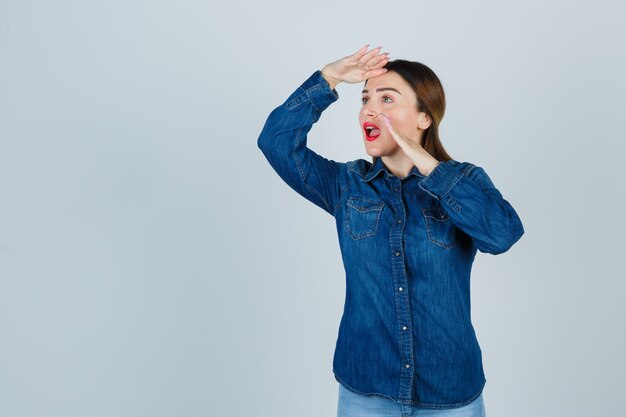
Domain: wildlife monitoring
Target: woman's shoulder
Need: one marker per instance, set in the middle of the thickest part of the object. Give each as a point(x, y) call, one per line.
point(473, 171)
point(464, 166)
point(359, 166)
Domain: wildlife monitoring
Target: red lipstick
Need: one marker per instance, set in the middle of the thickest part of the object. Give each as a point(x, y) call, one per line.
point(372, 132)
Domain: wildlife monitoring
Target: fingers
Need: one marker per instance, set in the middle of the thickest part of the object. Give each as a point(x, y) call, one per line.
point(358, 54)
point(374, 73)
point(368, 56)
point(379, 61)
point(363, 64)
point(375, 65)
point(386, 120)
point(372, 59)
point(396, 135)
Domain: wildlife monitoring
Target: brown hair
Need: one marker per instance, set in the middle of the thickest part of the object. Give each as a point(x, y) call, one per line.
point(430, 100)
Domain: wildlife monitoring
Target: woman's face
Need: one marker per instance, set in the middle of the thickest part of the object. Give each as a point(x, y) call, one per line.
point(391, 95)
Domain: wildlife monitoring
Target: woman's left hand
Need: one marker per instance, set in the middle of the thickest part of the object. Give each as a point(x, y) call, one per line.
point(424, 161)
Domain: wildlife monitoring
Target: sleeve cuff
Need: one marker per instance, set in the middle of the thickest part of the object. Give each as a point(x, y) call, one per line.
point(319, 92)
point(441, 179)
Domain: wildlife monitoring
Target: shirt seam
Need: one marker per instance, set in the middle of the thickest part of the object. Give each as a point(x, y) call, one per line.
point(302, 177)
point(453, 184)
point(341, 194)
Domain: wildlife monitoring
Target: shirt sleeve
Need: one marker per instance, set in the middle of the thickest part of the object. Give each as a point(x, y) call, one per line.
point(283, 141)
point(475, 205)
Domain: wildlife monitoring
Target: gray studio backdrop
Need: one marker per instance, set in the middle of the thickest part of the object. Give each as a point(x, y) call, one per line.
point(153, 264)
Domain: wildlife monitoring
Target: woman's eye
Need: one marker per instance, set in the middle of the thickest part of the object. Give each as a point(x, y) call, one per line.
point(386, 99)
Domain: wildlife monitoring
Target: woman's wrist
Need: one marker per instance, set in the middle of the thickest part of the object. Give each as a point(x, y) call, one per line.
point(332, 82)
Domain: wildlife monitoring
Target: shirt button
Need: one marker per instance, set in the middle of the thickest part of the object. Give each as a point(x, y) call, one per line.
point(407, 366)
point(400, 289)
point(404, 327)
point(397, 253)
point(399, 220)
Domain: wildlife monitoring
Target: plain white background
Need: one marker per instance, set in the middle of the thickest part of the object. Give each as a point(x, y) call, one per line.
point(153, 264)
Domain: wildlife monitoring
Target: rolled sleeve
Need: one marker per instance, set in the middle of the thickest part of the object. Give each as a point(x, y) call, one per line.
point(475, 205)
point(319, 92)
point(441, 180)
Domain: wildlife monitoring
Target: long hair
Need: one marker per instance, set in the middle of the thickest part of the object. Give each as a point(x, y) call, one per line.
point(431, 100)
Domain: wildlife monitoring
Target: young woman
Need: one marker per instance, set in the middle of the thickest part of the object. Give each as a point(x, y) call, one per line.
point(409, 225)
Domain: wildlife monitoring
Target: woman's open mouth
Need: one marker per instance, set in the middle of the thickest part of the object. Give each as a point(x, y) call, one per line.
point(372, 132)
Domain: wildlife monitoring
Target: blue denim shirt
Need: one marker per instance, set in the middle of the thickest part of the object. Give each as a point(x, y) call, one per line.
point(407, 246)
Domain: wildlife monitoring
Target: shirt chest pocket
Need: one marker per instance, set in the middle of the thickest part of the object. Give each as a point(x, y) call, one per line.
point(439, 228)
point(362, 217)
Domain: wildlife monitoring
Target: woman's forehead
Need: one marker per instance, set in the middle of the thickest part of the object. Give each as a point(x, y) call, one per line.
point(388, 79)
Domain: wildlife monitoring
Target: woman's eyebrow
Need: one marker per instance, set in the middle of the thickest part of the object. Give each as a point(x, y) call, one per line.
point(382, 89)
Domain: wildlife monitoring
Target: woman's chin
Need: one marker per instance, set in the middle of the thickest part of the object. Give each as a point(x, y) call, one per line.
point(373, 150)
point(378, 147)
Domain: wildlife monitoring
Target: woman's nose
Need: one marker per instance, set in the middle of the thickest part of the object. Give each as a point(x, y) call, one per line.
point(369, 112)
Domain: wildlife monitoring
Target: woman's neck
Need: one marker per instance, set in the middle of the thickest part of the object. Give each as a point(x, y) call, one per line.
point(400, 165)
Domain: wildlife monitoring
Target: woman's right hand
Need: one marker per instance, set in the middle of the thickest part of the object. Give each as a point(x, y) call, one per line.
point(357, 67)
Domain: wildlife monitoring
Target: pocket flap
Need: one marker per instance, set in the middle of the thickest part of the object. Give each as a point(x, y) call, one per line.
point(436, 213)
point(364, 205)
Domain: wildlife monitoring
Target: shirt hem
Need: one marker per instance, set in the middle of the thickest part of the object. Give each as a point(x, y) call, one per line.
point(432, 406)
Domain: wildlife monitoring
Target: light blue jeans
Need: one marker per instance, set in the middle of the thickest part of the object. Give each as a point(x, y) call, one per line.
point(351, 404)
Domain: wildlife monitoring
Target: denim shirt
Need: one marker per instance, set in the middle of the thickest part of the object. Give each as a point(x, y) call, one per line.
point(407, 246)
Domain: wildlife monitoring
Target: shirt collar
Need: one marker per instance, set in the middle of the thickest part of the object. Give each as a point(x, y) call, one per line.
point(379, 167)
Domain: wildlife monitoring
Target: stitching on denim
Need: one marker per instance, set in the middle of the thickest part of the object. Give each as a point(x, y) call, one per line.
point(453, 184)
point(360, 235)
point(454, 405)
point(296, 101)
point(435, 196)
point(308, 93)
point(374, 203)
point(455, 206)
point(349, 388)
point(352, 168)
point(472, 166)
point(341, 193)
point(320, 196)
point(409, 346)
point(427, 213)
point(293, 153)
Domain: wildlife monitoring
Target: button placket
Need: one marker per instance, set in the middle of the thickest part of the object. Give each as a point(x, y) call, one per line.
point(405, 338)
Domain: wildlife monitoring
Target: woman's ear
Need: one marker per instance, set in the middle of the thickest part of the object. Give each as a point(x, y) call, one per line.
point(424, 121)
